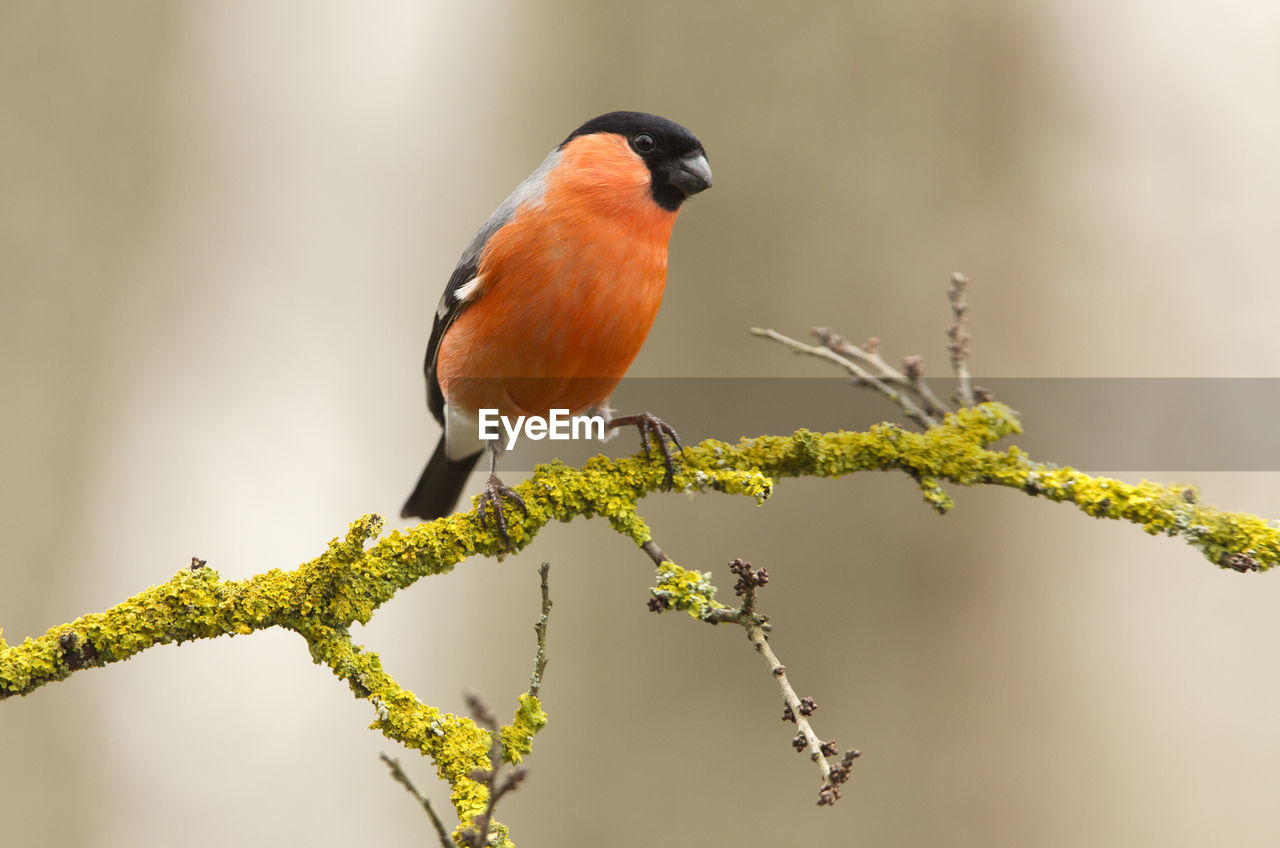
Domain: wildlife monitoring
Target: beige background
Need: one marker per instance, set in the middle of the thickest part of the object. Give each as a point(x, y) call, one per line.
point(223, 228)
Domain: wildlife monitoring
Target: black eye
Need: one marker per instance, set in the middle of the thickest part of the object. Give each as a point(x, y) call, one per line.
point(644, 143)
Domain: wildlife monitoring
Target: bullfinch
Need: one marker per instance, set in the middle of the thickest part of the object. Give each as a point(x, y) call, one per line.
point(554, 296)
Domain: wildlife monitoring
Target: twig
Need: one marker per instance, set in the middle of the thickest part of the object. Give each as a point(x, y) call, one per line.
point(540, 628)
point(655, 553)
point(481, 713)
point(914, 367)
point(868, 353)
point(477, 835)
point(910, 377)
point(907, 387)
point(403, 779)
point(808, 738)
point(958, 332)
point(795, 708)
point(860, 374)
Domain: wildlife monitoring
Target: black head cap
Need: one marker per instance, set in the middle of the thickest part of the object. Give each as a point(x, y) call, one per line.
point(676, 159)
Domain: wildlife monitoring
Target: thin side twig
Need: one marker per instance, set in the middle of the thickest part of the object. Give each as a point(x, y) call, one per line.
point(477, 835)
point(803, 727)
point(914, 367)
point(910, 377)
point(958, 333)
point(403, 779)
point(906, 387)
point(868, 353)
point(655, 553)
point(540, 628)
point(795, 708)
point(909, 407)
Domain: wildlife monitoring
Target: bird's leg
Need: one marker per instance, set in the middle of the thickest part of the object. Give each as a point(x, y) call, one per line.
point(491, 499)
point(653, 427)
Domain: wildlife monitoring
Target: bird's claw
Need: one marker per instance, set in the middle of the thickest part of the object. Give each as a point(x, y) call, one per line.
point(490, 502)
point(662, 434)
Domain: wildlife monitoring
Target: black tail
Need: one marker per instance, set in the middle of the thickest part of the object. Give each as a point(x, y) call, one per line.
point(440, 485)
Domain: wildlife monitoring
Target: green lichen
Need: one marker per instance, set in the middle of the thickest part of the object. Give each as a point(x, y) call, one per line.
point(358, 572)
point(681, 589)
point(456, 744)
point(517, 737)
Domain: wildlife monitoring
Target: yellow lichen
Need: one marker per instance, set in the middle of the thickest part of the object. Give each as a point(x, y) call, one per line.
point(517, 737)
point(356, 574)
point(682, 589)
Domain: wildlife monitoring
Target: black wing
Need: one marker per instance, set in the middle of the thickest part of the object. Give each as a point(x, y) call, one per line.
point(446, 313)
point(451, 305)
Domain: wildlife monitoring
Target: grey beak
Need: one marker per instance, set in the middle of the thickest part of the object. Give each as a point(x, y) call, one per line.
point(691, 174)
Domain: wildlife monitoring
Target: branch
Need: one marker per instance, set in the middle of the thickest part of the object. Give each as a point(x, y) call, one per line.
point(911, 377)
point(399, 776)
point(540, 628)
point(692, 592)
point(860, 375)
point(484, 831)
point(320, 599)
point(958, 333)
point(349, 582)
point(920, 404)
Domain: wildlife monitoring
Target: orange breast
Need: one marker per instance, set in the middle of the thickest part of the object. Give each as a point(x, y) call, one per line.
point(571, 288)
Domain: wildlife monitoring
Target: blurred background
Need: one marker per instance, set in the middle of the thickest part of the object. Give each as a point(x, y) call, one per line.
point(224, 228)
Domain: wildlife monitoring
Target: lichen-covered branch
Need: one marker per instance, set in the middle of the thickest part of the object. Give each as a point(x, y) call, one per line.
point(356, 574)
point(456, 744)
point(352, 579)
point(484, 831)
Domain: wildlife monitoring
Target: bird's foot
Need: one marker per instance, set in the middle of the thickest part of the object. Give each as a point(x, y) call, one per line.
point(491, 504)
point(662, 434)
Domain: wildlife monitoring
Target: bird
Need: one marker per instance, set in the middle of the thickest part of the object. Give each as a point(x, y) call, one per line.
point(553, 298)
